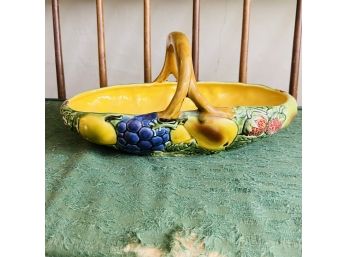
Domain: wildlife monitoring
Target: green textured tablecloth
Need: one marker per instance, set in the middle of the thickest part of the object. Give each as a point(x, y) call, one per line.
point(242, 202)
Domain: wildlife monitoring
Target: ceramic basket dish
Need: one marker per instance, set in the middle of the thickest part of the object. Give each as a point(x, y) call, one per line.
point(183, 117)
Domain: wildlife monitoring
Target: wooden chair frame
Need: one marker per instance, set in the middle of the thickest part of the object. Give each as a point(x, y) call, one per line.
point(243, 65)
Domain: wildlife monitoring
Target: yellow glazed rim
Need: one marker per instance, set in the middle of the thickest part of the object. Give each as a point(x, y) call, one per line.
point(80, 104)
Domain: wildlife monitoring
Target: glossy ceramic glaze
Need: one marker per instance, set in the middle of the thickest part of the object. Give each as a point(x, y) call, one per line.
point(186, 117)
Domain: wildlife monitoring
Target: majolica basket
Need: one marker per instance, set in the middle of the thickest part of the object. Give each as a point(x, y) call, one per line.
point(186, 117)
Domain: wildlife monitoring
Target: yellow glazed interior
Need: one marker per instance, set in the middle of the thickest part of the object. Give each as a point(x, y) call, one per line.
point(155, 97)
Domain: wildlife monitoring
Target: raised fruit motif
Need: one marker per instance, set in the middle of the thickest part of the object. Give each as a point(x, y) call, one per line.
point(255, 125)
point(95, 129)
point(212, 133)
point(273, 126)
point(136, 135)
point(180, 135)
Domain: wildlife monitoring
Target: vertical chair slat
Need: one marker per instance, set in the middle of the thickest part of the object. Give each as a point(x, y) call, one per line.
point(195, 36)
point(58, 50)
point(103, 80)
point(147, 42)
point(243, 64)
point(296, 51)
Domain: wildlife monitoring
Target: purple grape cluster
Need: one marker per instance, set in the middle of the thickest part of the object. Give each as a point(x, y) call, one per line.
point(135, 135)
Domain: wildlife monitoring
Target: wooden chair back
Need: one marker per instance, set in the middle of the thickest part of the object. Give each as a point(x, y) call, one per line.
point(243, 65)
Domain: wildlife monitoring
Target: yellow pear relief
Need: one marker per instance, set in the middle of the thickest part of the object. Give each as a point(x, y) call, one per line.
point(96, 130)
point(180, 135)
point(213, 133)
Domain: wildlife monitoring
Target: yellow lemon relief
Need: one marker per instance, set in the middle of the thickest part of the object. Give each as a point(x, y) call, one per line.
point(180, 135)
point(96, 130)
point(213, 133)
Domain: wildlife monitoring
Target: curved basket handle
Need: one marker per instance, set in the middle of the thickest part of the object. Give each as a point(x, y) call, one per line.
point(178, 61)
